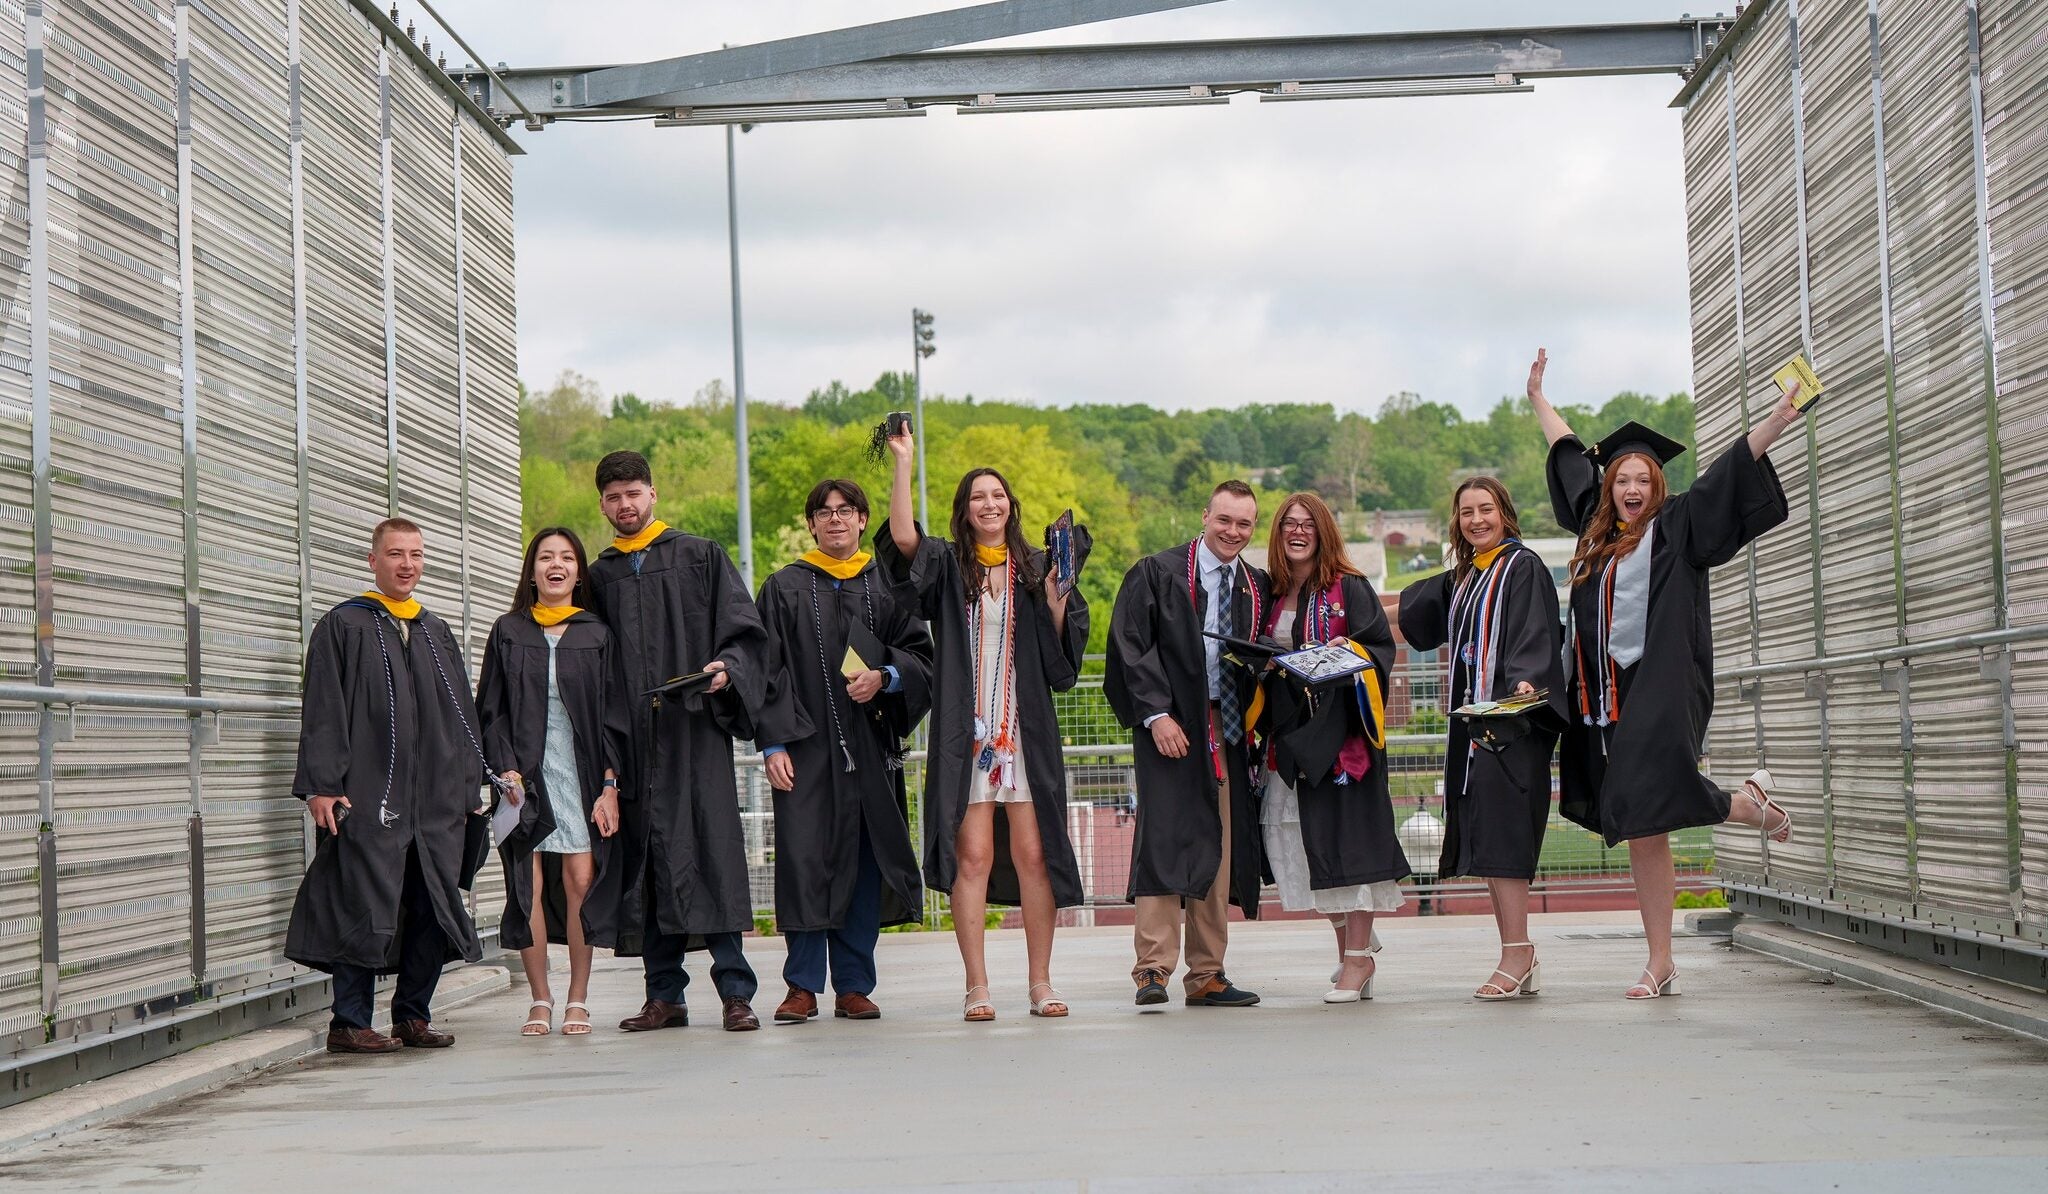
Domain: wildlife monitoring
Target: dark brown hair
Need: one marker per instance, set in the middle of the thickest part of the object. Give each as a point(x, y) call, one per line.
point(1330, 561)
point(528, 593)
point(971, 571)
point(1599, 543)
point(1234, 488)
point(849, 491)
point(391, 526)
point(623, 465)
point(1510, 522)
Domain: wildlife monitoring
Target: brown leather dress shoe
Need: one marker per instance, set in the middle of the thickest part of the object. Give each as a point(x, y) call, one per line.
point(801, 1005)
point(361, 1040)
point(739, 1016)
point(418, 1034)
point(657, 1014)
point(855, 1007)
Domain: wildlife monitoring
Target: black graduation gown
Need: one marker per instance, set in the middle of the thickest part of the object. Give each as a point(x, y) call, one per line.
point(1157, 665)
point(347, 911)
point(1347, 829)
point(1047, 662)
point(1496, 814)
point(818, 822)
point(1647, 780)
point(512, 700)
point(680, 842)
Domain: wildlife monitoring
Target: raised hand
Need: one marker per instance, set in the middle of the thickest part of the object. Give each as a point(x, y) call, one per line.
point(1536, 375)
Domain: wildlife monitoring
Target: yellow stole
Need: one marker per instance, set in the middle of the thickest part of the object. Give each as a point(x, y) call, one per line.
point(1486, 558)
point(549, 615)
point(990, 557)
point(834, 567)
point(648, 534)
point(407, 609)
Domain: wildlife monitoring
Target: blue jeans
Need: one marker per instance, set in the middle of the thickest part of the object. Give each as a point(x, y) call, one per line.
point(662, 958)
point(850, 948)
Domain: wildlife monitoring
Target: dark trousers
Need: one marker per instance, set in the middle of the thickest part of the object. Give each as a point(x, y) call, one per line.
point(422, 949)
point(662, 957)
point(850, 948)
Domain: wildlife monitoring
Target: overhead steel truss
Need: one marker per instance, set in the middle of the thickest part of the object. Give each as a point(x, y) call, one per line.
point(864, 71)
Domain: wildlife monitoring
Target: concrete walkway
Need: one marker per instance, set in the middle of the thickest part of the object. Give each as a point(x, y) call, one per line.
point(1762, 1077)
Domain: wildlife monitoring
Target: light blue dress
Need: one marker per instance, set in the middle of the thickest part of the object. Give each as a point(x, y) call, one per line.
point(558, 774)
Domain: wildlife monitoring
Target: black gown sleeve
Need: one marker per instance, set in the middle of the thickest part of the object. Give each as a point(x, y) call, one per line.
point(1060, 651)
point(1736, 500)
point(1137, 685)
point(924, 578)
point(616, 714)
point(1426, 611)
point(1574, 484)
point(908, 648)
point(494, 706)
point(741, 643)
point(1365, 622)
point(782, 719)
point(323, 717)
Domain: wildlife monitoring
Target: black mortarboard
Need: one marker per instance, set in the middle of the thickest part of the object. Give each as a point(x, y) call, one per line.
point(1634, 437)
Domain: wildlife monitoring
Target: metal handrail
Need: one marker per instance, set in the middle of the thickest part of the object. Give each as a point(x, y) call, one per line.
point(1114, 749)
point(49, 694)
point(1826, 663)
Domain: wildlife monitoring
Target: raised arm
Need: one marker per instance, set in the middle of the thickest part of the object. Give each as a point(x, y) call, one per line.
point(1766, 433)
point(902, 515)
point(1554, 426)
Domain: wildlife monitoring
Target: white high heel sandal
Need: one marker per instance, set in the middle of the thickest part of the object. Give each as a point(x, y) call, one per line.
point(1530, 983)
point(1363, 991)
point(1758, 788)
point(1372, 947)
point(1651, 988)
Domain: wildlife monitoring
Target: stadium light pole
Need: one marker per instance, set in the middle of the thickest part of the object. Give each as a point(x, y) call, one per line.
point(921, 346)
point(739, 368)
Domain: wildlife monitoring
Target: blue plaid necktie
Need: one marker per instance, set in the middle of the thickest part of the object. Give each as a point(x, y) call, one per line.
point(1228, 707)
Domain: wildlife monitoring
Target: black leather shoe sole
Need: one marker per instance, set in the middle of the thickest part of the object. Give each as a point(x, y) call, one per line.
point(1232, 998)
point(1151, 994)
point(678, 1022)
point(873, 1015)
point(791, 1018)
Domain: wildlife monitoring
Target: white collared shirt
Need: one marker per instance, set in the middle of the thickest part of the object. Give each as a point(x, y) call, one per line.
point(1216, 576)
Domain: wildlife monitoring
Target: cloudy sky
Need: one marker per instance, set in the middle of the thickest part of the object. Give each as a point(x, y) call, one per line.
point(1330, 252)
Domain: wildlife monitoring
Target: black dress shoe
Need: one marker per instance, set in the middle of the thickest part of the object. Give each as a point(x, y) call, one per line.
point(1151, 988)
point(361, 1040)
point(419, 1034)
point(1221, 992)
point(739, 1016)
point(657, 1014)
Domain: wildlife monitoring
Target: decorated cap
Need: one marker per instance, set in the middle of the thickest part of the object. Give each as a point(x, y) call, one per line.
point(1634, 437)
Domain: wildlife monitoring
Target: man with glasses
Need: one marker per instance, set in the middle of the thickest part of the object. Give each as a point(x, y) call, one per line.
point(850, 675)
point(1197, 849)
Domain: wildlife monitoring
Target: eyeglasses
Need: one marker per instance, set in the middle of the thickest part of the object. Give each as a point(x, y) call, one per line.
point(1297, 524)
point(836, 514)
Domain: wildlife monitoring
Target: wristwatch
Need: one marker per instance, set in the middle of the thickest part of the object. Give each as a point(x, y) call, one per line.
point(611, 783)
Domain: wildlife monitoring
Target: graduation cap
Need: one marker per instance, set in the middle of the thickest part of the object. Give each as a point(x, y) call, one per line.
point(681, 684)
point(1634, 437)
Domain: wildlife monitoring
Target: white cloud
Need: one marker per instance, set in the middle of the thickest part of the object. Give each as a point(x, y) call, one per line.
point(1328, 252)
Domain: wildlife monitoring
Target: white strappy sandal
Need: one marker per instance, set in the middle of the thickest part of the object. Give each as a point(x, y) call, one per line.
point(1363, 991)
point(540, 1025)
point(575, 1027)
point(977, 1011)
point(1530, 983)
point(1372, 946)
point(1758, 788)
point(1052, 1007)
point(1651, 988)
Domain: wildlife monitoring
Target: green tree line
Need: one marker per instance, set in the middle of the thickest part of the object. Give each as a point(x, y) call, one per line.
point(1136, 475)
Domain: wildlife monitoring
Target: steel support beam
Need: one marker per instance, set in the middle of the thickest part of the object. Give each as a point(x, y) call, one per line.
point(860, 43)
point(885, 86)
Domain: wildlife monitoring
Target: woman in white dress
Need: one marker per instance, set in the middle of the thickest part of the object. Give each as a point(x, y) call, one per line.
point(1327, 816)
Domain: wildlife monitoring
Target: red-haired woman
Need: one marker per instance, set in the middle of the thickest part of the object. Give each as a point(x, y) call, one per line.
point(995, 794)
point(1496, 611)
point(1639, 651)
point(1327, 817)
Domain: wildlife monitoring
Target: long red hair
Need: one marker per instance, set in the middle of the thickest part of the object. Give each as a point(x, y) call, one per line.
point(1330, 561)
point(1599, 543)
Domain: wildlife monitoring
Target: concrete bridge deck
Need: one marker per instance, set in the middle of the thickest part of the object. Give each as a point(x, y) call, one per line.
point(1762, 1077)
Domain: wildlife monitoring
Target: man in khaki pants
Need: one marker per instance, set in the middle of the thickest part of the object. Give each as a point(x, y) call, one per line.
point(1197, 849)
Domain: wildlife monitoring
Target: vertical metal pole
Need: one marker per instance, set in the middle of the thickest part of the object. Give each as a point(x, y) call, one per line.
point(924, 512)
point(301, 414)
point(1891, 407)
point(461, 375)
point(390, 277)
point(188, 354)
point(1818, 683)
point(739, 370)
point(2015, 857)
point(1756, 687)
point(39, 456)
